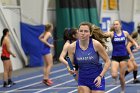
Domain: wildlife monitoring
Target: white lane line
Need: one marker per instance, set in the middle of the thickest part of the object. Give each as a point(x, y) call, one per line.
point(44, 88)
point(35, 83)
point(18, 81)
point(64, 88)
point(55, 86)
point(23, 90)
point(126, 85)
point(120, 85)
point(73, 91)
point(108, 77)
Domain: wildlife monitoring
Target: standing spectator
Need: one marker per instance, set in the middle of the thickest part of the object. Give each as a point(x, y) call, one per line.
point(5, 57)
point(47, 39)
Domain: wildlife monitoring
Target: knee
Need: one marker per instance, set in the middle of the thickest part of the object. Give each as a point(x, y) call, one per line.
point(10, 69)
point(136, 67)
point(50, 65)
point(6, 70)
point(114, 75)
point(131, 68)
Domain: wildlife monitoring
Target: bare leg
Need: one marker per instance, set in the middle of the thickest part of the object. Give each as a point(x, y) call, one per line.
point(83, 89)
point(10, 70)
point(123, 66)
point(48, 65)
point(6, 70)
point(114, 70)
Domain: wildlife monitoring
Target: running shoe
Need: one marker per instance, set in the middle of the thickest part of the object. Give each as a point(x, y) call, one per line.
point(6, 85)
point(47, 82)
point(136, 81)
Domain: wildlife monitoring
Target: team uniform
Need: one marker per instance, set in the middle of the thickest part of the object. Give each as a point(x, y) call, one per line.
point(5, 54)
point(47, 49)
point(88, 66)
point(119, 48)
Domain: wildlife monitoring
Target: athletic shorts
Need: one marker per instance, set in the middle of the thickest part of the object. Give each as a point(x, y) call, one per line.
point(5, 58)
point(46, 51)
point(89, 82)
point(120, 58)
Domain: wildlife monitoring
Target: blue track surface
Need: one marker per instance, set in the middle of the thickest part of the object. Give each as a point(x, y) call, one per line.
point(64, 83)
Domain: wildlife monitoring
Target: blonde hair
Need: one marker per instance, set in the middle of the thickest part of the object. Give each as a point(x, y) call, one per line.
point(48, 27)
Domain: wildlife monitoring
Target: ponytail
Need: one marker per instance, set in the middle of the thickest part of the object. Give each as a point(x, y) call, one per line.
point(4, 34)
point(97, 34)
point(2, 40)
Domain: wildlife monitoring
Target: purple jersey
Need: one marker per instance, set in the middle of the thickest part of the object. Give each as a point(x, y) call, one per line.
point(88, 61)
point(119, 45)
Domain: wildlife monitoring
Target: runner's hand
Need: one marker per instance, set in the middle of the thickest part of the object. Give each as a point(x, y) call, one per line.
point(13, 55)
point(97, 81)
point(71, 71)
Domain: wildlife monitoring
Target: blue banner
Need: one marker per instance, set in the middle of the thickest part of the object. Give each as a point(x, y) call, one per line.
point(128, 26)
point(31, 45)
point(105, 25)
